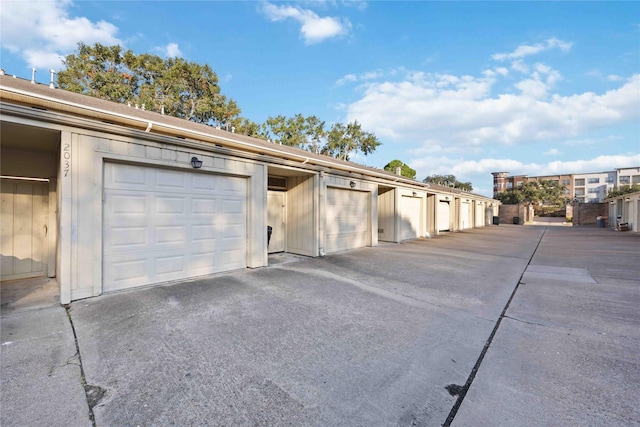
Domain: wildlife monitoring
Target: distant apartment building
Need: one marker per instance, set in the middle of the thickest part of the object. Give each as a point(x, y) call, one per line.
point(583, 187)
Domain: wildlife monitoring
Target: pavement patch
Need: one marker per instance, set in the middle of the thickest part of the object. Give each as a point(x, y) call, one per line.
point(565, 274)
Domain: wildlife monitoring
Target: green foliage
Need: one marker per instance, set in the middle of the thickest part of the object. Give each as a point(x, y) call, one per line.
point(405, 170)
point(538, 193)
point(309, 133)
point(449, 180)
point(511, 197)
point(624, 189)
point(343, 140)
point(183, 89)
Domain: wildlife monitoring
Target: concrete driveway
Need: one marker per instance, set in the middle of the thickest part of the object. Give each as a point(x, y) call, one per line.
point(507, 325)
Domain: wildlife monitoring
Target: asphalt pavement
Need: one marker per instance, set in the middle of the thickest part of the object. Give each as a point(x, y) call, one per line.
point(502, 325)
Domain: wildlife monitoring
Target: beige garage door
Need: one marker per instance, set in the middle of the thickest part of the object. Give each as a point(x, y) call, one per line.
point(162, 224)
point(411, 213)
point(347, 225)
point(465, 221)
point(443, 216)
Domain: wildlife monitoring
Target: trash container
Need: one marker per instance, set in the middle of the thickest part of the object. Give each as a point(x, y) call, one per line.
point(269, 231)
point(496, 220)
point(600, 222)
point(516, 220)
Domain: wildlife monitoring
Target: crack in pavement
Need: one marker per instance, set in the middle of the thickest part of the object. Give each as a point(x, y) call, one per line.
point(93, 393)
point(461, 391)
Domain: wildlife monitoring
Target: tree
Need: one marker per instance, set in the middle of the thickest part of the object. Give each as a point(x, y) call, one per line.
point(511, 197)
point(623, 189)
point(178, 87)
point(309, 133)
point(541, 194)
point(99, 71)
point(405, 170)
point(343, 140)
point(449, 180)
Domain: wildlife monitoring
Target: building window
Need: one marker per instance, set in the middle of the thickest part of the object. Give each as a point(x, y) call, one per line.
point(579, 191)
point(625, 179)
point(635, 179)
point(566, 182)
point(594, 181)
point(610, 180)
point(579, 182)
point(592, 190)
point(520, 183)
point(566, 191)
point(509, 185)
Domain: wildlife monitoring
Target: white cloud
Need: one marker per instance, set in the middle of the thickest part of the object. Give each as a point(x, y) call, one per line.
point(43, 32)
point(460, 112)
point(314, 29)
point(552, 152)
point(478, 172)
point(172, 50)
point(527, 50)
point(346, 79)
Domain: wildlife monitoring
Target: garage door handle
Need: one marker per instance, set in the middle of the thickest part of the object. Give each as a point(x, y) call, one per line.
point(46, 229)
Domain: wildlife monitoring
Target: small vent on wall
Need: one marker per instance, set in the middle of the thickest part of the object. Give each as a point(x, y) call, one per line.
point(277, 183)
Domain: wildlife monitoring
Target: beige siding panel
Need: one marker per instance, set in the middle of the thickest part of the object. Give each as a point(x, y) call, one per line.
point(24, 223)
point(301, 219)
point(387, 216)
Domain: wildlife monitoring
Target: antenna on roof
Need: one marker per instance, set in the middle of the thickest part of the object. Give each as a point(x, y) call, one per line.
point(51, 85)
point(33, 76)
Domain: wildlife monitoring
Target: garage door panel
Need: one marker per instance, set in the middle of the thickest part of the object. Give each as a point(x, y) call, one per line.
point(125, 177)
point(166, 180)
point(166, 235)
point(204, 206)
point(173, 231)
point(127, 204)
point(347, 225)
point(126, 237)
point(170, 205)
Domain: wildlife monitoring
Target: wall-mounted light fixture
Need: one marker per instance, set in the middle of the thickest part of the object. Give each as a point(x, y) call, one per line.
point(197, 164)
point(626, 199)
point(352, 184)
point(415, 194)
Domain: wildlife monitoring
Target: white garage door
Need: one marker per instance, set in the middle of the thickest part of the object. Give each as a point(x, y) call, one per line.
point(162, 225)
point(464, 216)
point(410, 218)
point(347, 224)
point(479, 214)
point(443, 216)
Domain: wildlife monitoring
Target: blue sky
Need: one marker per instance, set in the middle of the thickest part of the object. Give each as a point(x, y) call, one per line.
point(467, 88)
